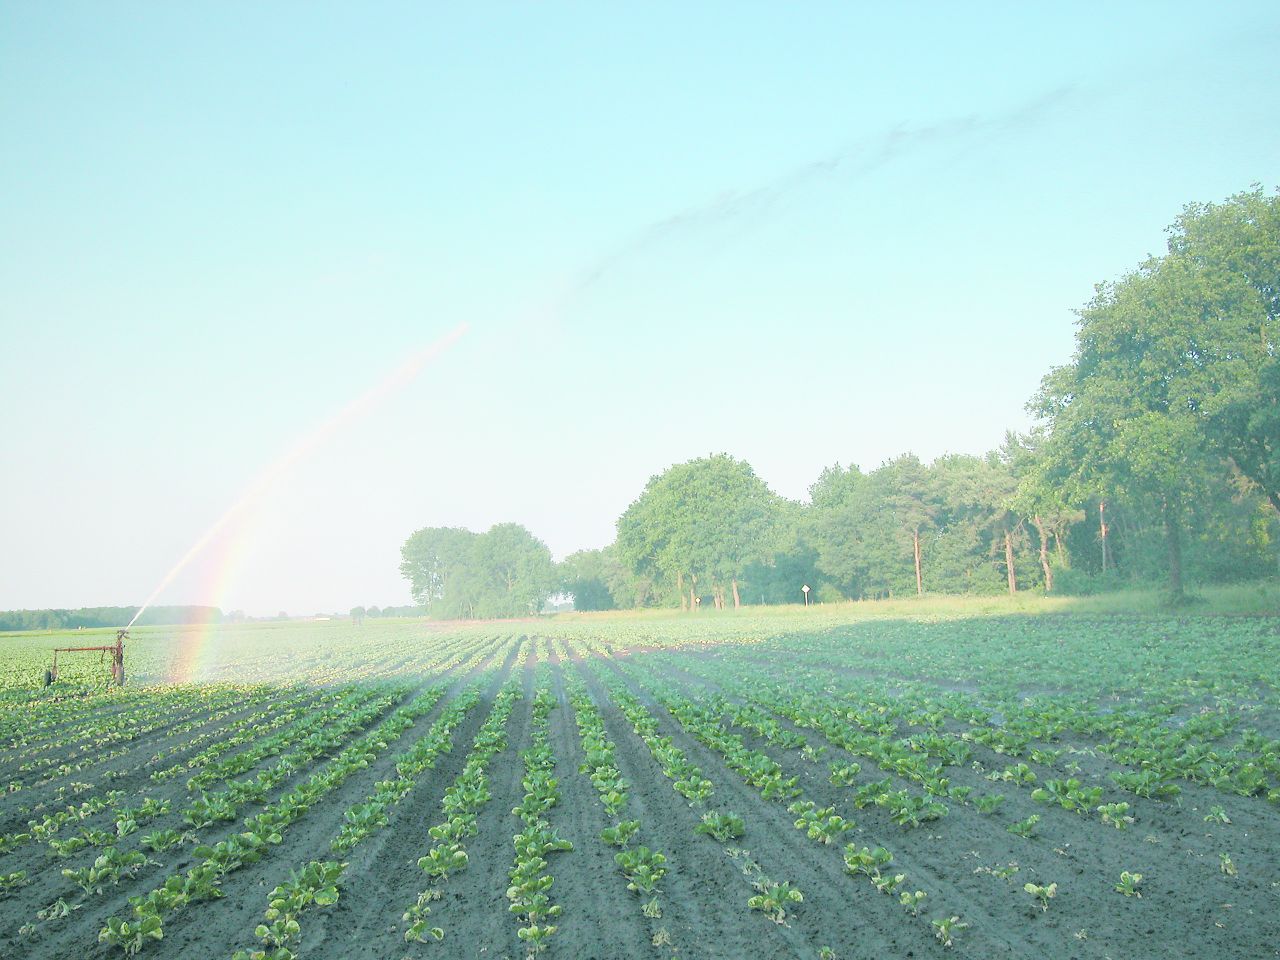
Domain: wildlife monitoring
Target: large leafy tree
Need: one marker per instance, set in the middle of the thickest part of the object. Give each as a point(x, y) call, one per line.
point(1039, 500)
point(870, 530)
point(1126, 415)
point(456, 573)
point(1227, 258)
point(704, 522)
point(586, 576)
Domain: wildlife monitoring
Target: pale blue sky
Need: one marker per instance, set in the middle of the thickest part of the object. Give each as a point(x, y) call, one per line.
point(799, 233)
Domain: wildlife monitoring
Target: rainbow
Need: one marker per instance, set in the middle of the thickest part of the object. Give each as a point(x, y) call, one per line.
point(193, 642)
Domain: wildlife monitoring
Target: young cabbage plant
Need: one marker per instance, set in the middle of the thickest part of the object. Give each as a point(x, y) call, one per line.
point(1128, 884)
point(774, 899)
point(1116, 814)
point(722, 826)
point(912, 901)
point(621, 833)
point(1043, 893)
point(947, 929)
point(988, 802)
point(1025, 828)
point(131, 935)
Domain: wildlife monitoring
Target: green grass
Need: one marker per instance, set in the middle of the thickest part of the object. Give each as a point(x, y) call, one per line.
point(1248, 599)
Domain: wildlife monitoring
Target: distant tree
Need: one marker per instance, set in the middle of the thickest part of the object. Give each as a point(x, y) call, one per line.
point(585, 576)
point(357, 614)
point(1039, 500)
point(455, 573)
point(442, 569)
point(517, 569)
point(870, 530)
point(705, 521)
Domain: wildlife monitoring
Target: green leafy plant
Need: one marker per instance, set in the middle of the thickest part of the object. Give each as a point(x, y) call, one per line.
point(621, 833)
point(1116, 814)
point(845, 774)
point(1025, 828)
point(866, 860)
point(420, 929)
point(774, 899)
point(131, 935)
point(1216, 815)
point(989, 802)
point(722, 826)
point(10, 882)
point(57, 910)
point(948, 929)
point(912, 901)
point(642, 867)
point(1042, 892)
point(1128, 884)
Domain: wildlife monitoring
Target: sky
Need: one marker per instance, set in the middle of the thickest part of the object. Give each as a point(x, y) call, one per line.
point(800, 234)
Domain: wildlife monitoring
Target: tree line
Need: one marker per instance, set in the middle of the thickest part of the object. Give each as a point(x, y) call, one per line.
point(1155, 457)
point(86, 617)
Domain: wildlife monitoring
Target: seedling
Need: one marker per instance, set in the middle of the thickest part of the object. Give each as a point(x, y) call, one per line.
point(161, 840)
point(652, 909)
point(441, 861)
point(722, 826)
point(812, 755)
point(866, 860)
point(773, 900)
point(887, 884)
point(420, 929)
point(989, 802)
point(621, 833)
point(1128, 884)
point(57, 910)
point(536, 935)
point(130, 935)
point(912, 901)
point(1217, 815)
point(1116, 814)
point(643, 869)
point(10, 882)
point(1025, 828)
point(1043, 893)
point(1226, 866)
point(947, 929)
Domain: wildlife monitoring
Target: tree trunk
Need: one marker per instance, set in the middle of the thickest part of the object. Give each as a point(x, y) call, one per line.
point(737, 601)
point(915, 537)
point(680, 590)
point(693, 591)
point(1173, 533)
point(1008, 563)
point(1275, 500)
point(1102, 531)
point(1044, 555)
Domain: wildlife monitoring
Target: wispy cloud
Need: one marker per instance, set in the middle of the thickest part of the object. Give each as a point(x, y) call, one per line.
point(844, 166)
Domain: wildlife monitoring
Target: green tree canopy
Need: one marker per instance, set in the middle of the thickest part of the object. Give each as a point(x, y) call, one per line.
point(454, 573)
point(705, 522)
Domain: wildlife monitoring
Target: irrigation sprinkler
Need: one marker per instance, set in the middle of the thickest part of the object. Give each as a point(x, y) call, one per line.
point(117, 659)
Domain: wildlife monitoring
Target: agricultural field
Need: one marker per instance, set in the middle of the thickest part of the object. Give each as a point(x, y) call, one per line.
point(790, 784)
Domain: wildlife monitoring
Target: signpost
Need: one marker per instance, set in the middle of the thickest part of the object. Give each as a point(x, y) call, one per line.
point(805, 588)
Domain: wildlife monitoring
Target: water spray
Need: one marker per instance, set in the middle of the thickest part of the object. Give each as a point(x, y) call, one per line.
point(361, 406)
point(398, 378)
